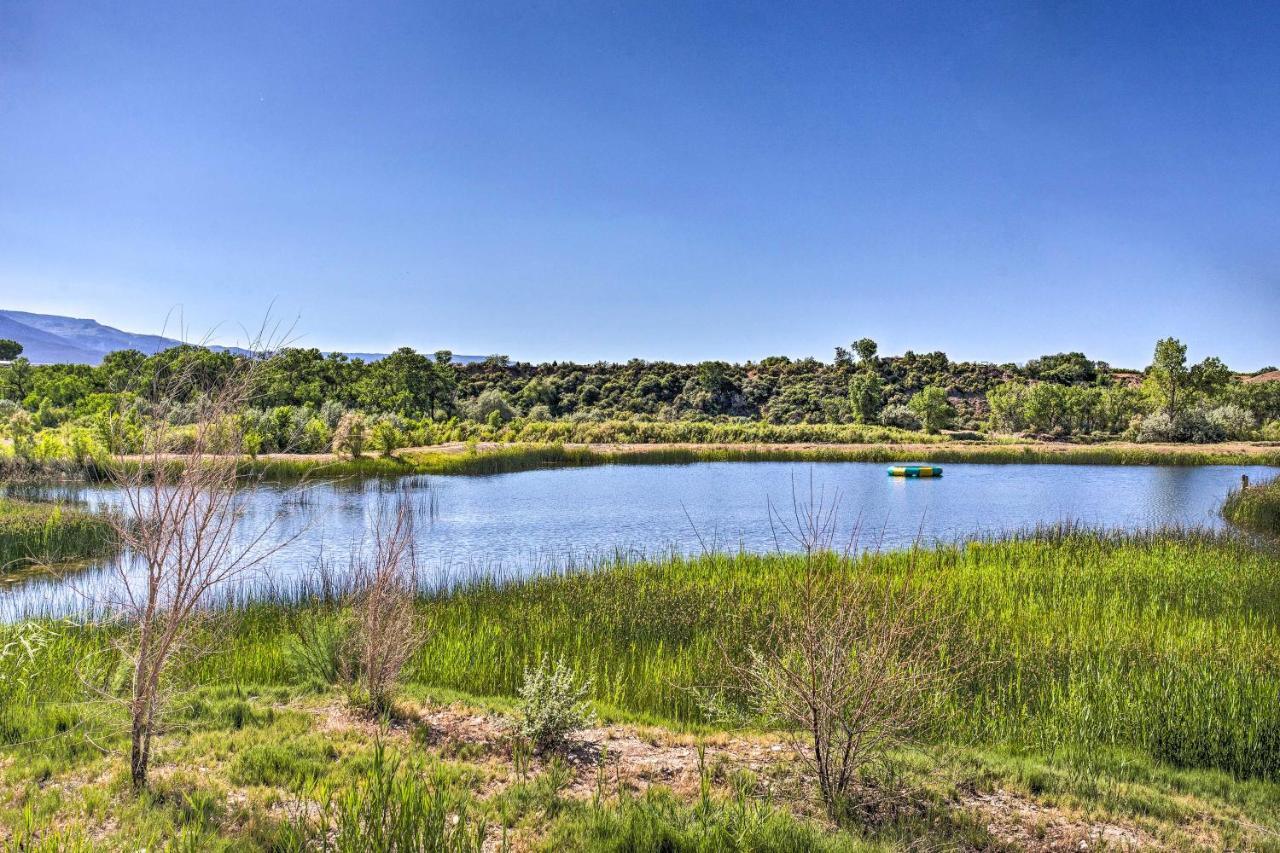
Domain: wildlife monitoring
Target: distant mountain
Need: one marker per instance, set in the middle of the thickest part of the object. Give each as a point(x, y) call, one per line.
point(42, 347)
point(54, 339)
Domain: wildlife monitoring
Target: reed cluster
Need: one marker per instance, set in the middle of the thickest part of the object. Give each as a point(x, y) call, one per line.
point(45, 533)
point(1255, 508)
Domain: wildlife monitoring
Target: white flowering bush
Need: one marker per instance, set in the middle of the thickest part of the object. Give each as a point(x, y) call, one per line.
point(553, 703)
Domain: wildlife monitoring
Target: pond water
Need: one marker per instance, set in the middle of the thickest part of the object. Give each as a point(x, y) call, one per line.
point(529, 521)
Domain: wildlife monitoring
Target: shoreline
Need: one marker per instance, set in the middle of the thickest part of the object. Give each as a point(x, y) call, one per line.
point(481, 458)
point(493, 457)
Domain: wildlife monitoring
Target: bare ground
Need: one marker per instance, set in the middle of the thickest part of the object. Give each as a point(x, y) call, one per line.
point(606, 760)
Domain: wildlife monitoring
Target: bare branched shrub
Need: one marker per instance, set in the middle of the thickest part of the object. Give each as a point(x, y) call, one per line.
point(385, 628)
point(853, 666)
point(350, 435)
point(179, 525)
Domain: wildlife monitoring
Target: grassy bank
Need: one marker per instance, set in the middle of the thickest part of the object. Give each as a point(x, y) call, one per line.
point(1126, 675)
point(500, 459)
point(1256, 508)
point(42, 533)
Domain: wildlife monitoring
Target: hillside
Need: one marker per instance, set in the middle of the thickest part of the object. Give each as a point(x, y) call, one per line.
point(55, 339)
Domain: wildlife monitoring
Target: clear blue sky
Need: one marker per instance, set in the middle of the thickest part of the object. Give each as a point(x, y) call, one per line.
point(681, 180)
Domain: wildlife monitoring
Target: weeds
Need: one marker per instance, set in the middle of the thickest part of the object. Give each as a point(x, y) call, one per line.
point(397, 807)
point(1255, 508)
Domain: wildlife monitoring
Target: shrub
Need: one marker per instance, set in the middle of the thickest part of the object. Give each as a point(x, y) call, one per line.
point(350, 435)
point(1157, 427)
point(900, 417)
point(932, 408)
point(385, 631)
point(553, 703)
point(1235, 422)
point(491, 405)
point(1193, 426)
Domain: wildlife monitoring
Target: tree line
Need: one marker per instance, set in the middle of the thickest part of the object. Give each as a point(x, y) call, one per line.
point(309, 401)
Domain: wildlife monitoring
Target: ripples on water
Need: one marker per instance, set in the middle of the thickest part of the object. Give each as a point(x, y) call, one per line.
point(538, 521)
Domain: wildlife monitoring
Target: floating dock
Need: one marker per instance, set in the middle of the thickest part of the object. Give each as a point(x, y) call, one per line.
point(915, 471)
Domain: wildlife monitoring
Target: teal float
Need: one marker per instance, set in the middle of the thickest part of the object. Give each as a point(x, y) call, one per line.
point(915, 471)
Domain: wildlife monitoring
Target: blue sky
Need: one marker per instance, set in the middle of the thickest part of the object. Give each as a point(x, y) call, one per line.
point(661, 180)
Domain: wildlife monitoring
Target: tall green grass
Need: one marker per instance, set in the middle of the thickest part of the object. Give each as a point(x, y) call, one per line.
point(1256, 508)
point(1165, 643)
point(38, 533)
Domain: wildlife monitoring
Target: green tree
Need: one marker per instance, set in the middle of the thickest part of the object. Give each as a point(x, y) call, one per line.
point(15, 381)
point(933, 409)
point(1045, 407)
point(866, 350)
point(20, 429)
point(1211, 377)
point(1169, 372)
point(1007, 402)
point(9, 349)
point(387, 437)
point(866, 396)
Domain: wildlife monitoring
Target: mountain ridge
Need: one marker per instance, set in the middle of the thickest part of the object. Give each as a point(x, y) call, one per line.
point(59, 339)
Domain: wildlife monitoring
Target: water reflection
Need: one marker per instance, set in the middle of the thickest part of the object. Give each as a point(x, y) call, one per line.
point(532, 521)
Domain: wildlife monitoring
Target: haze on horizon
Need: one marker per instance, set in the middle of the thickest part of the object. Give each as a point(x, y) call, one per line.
point(586, 182)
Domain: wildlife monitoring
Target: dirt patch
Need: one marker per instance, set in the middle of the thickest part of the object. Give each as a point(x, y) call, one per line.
point(611, 759)
point(1021, 821)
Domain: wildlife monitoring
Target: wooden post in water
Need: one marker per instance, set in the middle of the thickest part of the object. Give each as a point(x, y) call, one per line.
point(1244, 482)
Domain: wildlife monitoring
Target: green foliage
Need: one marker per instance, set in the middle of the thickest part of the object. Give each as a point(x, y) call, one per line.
point(44, 533)
point(933, 409)
point(9, 349)
point(553, 703)
point(866, 395)
point(387, 437)
point(397, 806)
point(304, 395)
point(1256, 508)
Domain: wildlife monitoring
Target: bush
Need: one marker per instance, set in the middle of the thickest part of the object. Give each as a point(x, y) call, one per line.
point(1193, 426)
point(350, 435)
point(387, 437)
point(900, 417)
point(1235, 422)
point(489, 407)
point(553, 703)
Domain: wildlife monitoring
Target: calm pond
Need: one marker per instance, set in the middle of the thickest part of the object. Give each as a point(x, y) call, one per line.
point(527, 522)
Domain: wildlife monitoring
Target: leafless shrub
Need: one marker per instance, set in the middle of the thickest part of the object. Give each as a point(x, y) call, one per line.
point(854, 665)
point(178, 522)
point(385, 628)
